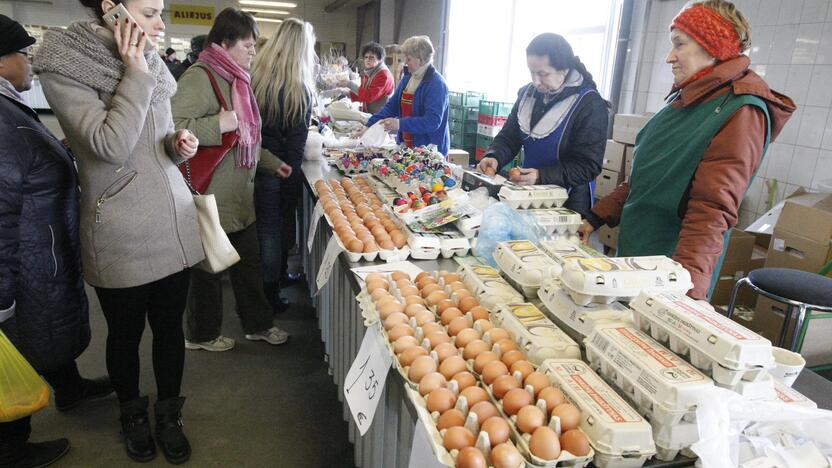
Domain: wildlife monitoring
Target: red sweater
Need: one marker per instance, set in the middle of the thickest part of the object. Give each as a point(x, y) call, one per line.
point(371, 91)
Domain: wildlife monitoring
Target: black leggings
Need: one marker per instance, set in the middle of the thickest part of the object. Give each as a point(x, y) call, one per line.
point(125, 309)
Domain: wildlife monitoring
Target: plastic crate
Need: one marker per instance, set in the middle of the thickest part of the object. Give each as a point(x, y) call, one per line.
point(456, 126)
point(470, 127)
point(492, 120)
point(484, 141)
point(495, 108)
point(466, 99)
point(464, 141)
point(472, 114)
point(458, 113)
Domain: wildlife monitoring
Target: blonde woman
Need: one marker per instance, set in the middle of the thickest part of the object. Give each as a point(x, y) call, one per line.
point(283, 81)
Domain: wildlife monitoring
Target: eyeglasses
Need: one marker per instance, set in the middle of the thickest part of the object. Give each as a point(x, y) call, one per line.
point(27, 53)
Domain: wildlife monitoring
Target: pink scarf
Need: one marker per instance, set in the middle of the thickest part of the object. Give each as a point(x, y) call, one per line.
point(242, 101)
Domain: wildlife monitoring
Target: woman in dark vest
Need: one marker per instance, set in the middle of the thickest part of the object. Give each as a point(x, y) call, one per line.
point(559, 120)
point(697, 156)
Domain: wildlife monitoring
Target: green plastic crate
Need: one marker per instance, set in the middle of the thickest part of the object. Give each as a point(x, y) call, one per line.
point(458, 113)
point(462, 140)
point(484, 141)
point(495, 108)
point(466, 99)
point(456, 126)
point(472, 114)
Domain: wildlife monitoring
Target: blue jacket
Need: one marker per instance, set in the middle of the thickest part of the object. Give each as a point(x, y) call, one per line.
point(429, 123)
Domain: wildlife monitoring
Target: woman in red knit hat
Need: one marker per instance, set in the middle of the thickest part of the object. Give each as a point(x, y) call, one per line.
point(696, 157)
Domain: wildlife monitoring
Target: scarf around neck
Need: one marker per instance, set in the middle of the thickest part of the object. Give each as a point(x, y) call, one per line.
point(242, 101)
point(7, 89)
point(86, 52)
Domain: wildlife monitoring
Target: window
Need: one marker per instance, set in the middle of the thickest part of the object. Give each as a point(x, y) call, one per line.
point(487, 41)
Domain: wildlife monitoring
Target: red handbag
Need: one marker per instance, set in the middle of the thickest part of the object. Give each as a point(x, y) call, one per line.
point(199, 170)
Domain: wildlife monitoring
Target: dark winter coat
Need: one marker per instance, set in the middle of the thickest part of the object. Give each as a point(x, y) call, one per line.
point(40, 263)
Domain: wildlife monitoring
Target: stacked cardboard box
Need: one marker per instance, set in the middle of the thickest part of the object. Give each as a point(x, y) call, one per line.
point(742, 255)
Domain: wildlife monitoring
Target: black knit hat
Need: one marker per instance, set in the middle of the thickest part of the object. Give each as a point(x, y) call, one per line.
point(12, 36)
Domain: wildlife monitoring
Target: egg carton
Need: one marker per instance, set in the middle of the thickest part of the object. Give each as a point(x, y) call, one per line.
point(355, 257)
point(537, 336)
point(621, 437)
point(469, 225)
point(562, 250)
point(490, 288)
point(674, 439)
point(452, 242)
point(581, 320)
point(424, 246)
point(788, 395)
point(762, 388)
point(354, 167)
point(663, 387)
point(532, 196)
point(604, 280)
point(560, 221)
point(715, 344)
point(525, 265)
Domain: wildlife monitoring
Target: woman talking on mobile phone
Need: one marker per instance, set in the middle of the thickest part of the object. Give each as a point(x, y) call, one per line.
point(111, 93)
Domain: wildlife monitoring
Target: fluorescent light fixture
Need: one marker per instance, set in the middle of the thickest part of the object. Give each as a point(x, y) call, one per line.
point(264, 3)
point(260, 10)
point(268, 20)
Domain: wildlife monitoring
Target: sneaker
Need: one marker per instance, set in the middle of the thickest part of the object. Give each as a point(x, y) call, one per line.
point(273, 336)
point(218, 344)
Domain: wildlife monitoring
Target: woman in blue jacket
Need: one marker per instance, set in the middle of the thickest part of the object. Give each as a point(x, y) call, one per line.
point(418, 110)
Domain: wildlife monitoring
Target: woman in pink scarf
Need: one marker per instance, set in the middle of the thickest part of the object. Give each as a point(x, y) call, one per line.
point(215, 98)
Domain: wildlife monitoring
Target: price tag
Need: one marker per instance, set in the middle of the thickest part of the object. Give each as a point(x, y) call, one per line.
point(317, 214)
point(365, 379)
point(421, 452)
point(330, 256)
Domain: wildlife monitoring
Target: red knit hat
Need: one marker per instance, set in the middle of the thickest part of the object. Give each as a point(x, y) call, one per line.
point(711, 30)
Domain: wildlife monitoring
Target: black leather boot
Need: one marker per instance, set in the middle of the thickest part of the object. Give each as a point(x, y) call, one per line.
point(135, 428)
point(172, 440)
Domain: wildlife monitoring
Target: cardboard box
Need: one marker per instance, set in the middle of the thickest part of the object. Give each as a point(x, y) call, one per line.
point(629, 156)
point(802, 235)
point(609, 236)
point(459, 157)
point(735, 266)
point(606, 182)
point(626, 126)
point(614, 156)
point(815, 346)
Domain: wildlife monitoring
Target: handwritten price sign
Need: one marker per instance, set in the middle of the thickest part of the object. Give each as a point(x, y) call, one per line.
point(366, 377)
point(317, 214)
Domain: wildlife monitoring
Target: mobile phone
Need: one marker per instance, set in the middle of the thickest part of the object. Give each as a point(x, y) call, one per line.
point(119, 13)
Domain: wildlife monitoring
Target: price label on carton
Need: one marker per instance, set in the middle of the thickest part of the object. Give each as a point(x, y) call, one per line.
point(330, 256)
point(365, 380)
point(317, 214)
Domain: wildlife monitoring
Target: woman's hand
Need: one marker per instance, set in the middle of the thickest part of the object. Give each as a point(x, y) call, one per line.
point(359, 133)
point(525, 176)
point(488, 166)
point(585, 231)
point(130, 42)
point(186, 144)
point(391, 124)
point(284, 171)
point(228, 121)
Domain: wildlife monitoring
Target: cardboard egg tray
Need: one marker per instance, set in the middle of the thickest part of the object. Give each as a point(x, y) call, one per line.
point(620, 436)
point(490, 288)
point(580, 320)
point(563, 250)
point(559, 221)
point(788, 395)
point(524, 265)
point(532, 196)
point(604, 280)
point(713, 343)
point(469, 225)
point(537, 336)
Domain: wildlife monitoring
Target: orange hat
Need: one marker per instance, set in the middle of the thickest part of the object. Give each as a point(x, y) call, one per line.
point(709, 29)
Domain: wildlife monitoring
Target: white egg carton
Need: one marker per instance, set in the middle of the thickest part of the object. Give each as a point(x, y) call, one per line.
point(452, 242)
point(355, 257)
point(788, 395)
point(620, 436)
point(537, 336)
point(488, 285)
point(720, 347)
point(577, 318)
point(562, 250)
point(532, 196)
point(557, 221)
point(674, 438)
point(525, 265)
point(762, 388)
point(605, 280)
point(424, 246)
point(663, 387)
point(469, 225)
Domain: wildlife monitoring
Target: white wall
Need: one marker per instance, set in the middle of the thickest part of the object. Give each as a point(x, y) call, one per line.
point(792, 51)
point(339, 26)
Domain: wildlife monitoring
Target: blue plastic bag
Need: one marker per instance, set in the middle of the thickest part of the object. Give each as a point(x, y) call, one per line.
point(501, 222)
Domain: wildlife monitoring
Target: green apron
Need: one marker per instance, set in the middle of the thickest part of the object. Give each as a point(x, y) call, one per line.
point(668, 151)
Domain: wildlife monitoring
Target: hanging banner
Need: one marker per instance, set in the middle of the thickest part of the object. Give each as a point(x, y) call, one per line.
point(192, 14)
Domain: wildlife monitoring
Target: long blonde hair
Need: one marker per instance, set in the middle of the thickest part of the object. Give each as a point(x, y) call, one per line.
point(287, 63)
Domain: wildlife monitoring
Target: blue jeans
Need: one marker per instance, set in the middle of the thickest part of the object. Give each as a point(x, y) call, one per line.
point(275, 203)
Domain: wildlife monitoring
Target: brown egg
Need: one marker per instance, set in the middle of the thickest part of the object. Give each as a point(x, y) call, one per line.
point(492, 370)
point(458, 324)
point(484, 410)
point(396, 318)
point(465, 379)
point(437, 337)
point(407, 356)
point(512, 356)
point(413, 309)
point(498, 430)
point(420, 367)
point(399, 331)
point(402, 282)
point(552, 396)
point(445, 350)
point(458, 438)
point(354, 245)
point(370, 247)
point(514, 400)
point(386, 244)
point(377, 230)
point(398, 275)
point(466, 336)
point(503, 384)
point(375, 277)
point(474, 395)
point(529, 418)
point(378, 294)
point(408, 291)
point(385, 308)
point(505, 455)
point(483, 324)
point(450, 277)
point(471, 457)
point(444, 305)
point(544, 443)
point(449, 314)
point(575, 442)
point(484, 358)
point(431, 327)
point(479, 313)
point(507, 344)
point(345, 233)
point(431, 382)
point(524, 367)
point(451, 418)
point(460, 294)
point(570, 416)
point(413, 300)
point(474, 349)
point(440, 400)
point(404, 343)
point(424, 316)
point(429, 288)
point(468, 303)
point(436, 296)
point(398, 238)
point(451, 366)
point(538, 381)
point(497, 334)
point(422, 275)
point(455, 286)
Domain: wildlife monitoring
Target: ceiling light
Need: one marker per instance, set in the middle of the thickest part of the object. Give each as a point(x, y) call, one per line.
point(268, 20)
point(259, 10)
point(264, 3)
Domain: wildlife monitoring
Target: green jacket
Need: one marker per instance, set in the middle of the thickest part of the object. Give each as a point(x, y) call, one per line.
point(196, 107)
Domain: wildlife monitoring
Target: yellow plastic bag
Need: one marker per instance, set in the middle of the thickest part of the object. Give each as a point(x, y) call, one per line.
point(22, 390)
